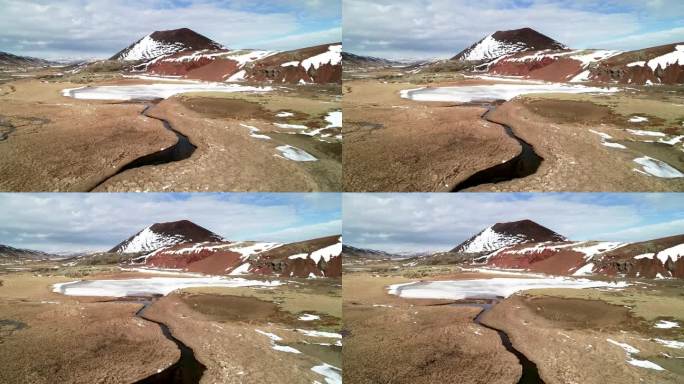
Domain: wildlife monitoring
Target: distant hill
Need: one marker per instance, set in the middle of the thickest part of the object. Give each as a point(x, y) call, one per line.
point(10, 60)
point(8, 253)
point(352, 61)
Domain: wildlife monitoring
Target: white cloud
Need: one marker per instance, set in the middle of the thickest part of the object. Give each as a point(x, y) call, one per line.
point(441, 28)
point(420, 222)
point(64, 222)
point(101, 28)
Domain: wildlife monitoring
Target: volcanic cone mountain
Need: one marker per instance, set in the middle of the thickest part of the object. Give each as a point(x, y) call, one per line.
point(501, 235)
point(164, 234)
point(161, 43)
point(502, 43)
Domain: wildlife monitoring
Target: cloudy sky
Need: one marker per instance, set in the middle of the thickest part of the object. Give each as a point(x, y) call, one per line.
point(100, 28)
point(434, 222)
point(66, 222)
point(442, 28)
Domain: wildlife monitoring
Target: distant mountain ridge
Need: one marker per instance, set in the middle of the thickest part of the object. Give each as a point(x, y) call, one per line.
point(15, 254)
point(10, 60)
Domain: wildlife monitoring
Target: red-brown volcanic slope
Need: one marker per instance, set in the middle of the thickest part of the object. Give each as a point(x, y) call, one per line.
point(616, 69)
point(622, 260)
point(561, 261)
point(550, 66)
point(208, 66)
point(276, 261)
point(217, 258)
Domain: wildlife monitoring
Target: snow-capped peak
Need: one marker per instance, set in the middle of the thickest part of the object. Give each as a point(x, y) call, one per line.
point(149, 240)
point(491, 240)
point(149, 48)
point(163, 43)
point(491, 48)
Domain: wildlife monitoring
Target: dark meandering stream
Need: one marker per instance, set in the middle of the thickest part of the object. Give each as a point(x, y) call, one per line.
point(530, 372)
point(526, 163)
point(182, 150)
point(187, 370)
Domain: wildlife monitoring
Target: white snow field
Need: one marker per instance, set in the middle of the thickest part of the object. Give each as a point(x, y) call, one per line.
point(295, 154)
point(253, 132)
point(332, 56)
point(489, 288)
point(657, 168)
point(154, 91)
point(466, 94)
point(629, 351)
point(331, 373)
point(151, 286)
point(308, 317)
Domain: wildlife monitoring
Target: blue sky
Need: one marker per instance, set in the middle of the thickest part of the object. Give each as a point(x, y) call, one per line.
point(433, 222)
point(100, 28)
point(441, 28)
point(59, 222)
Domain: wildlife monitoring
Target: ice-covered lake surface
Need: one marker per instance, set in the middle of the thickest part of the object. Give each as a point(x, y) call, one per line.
point(490, 288)
point(154, 91)
point(152, 286)
point(469, 93)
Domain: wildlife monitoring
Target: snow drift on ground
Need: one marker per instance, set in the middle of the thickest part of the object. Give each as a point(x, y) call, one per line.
point(295, 154)
point(151, 286)
point(466, 94)
point(332, 374)
point(657, 168)
point(489, 288)
point(154, 91)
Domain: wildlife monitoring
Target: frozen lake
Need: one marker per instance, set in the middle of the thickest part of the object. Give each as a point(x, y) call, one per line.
point(469, 93)
point(154, 91)
point(152, 286)
point(489, 288)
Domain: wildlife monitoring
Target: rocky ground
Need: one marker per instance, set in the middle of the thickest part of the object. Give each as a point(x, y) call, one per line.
point(431, 146)
point(46, 336)
point(57, 143)
point(564, 332)
point(392, 340)
point(393, 144)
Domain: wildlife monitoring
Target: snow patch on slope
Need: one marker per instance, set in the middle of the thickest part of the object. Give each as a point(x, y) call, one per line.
point(490, 240)
point(148, 240)
point(491, 48)
point(149, 48)
point(332, 56)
